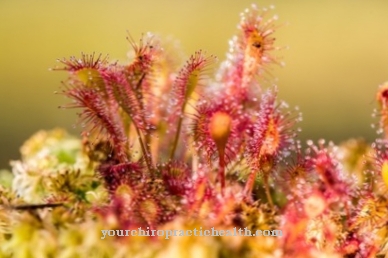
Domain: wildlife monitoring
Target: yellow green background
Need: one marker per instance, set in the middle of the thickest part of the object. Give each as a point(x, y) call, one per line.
point(337, 56)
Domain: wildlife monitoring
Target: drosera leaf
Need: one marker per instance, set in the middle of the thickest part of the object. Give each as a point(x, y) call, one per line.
point(189, 78)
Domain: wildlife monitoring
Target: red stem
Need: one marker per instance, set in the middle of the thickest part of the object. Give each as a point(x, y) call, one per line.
point(250, 183)
point(221, 170)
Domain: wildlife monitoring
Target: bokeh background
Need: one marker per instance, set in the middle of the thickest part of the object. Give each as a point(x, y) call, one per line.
point(337, 56)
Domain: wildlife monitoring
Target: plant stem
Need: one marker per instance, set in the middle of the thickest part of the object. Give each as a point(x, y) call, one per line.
point(178, 131)
point(266, 189)
point(221, 169)
point(250, 183)
point(195, 160)
point(145, 154)
point(147, 137)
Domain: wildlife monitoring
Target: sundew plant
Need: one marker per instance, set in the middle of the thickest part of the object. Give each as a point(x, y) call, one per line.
point(171, 145)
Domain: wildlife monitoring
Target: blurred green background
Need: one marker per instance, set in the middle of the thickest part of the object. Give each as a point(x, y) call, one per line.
point(338, 55)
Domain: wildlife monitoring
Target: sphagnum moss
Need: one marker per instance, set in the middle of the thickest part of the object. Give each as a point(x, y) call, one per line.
point(171, 148)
